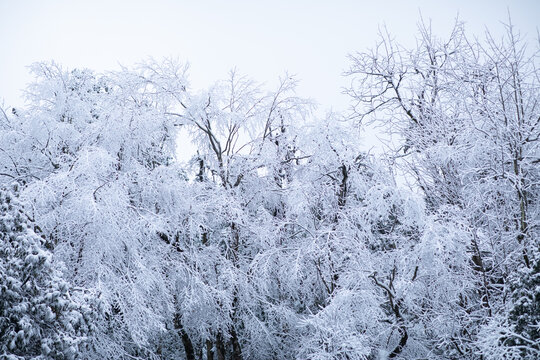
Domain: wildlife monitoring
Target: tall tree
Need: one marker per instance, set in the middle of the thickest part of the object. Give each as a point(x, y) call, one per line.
point(467, 118)
point(39, 317)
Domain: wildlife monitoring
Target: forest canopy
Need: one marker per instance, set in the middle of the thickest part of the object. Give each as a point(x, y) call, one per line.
point(281, 238)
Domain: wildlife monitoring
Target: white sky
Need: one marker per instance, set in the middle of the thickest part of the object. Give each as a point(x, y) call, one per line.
point(263, 39)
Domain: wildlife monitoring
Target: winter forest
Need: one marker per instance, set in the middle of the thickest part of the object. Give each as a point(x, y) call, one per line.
point(280, 238)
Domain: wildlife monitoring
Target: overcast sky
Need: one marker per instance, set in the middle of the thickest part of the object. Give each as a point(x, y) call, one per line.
point(263, 39)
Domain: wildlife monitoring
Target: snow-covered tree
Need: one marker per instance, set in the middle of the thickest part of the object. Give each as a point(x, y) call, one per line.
point(39, 315)
point(280, 238)
point(466, 119)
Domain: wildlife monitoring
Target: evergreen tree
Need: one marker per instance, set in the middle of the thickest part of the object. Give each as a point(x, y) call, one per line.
point(38, 318)
point(525, 315)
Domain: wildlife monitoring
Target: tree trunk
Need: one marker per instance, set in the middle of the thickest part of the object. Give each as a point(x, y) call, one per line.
point(186, 341)
point(220, 347)
point(209, 350)
point(402, 342)
point(236, 350)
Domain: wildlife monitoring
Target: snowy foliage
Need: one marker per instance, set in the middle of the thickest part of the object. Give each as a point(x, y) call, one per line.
point(39, 317)
point(466, 113)
point(280, 238)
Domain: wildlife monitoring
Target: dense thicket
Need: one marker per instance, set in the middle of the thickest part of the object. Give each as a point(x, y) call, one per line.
point(280, 238)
